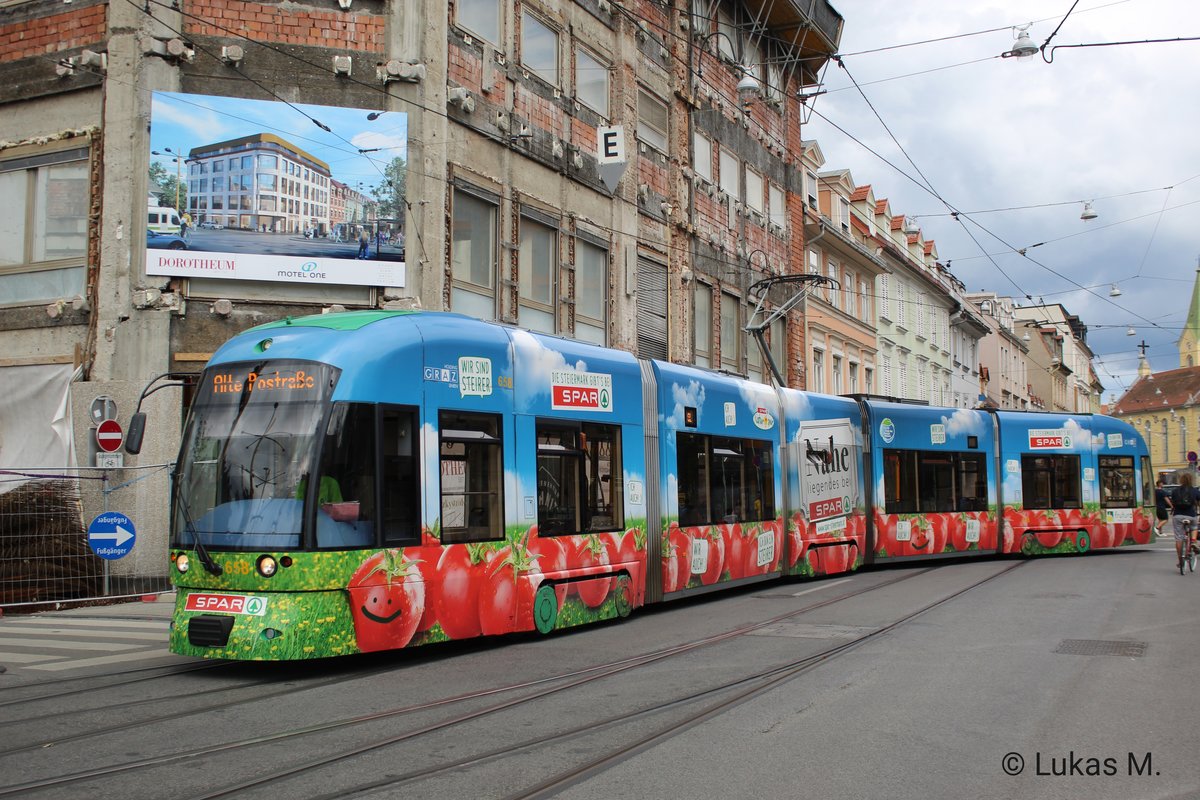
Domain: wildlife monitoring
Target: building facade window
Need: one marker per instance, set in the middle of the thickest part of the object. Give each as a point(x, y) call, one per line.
point(481, 17)
point(777, 206)
point(537, 276)
point(818, 371)
point(44, 230)
point(473, 256)
point(652, 121)
point(754, 190)
point(702, 325)
point(591, 293)
point(539, 48)
point(838, 388)
point(754, 360)
point(729, 177)
point(702, 146)
point(731, 341)
point(779, 345)
point(591, 82)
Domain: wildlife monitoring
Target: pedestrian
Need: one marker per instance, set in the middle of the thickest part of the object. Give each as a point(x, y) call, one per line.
point(185, 222)
point(380, 238)
point(1162, 506)
point(364, 243)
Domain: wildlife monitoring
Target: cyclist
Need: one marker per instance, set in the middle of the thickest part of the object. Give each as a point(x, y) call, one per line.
point(1183, 502)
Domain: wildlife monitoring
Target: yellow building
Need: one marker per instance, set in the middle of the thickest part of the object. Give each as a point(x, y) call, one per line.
point(1165, 406)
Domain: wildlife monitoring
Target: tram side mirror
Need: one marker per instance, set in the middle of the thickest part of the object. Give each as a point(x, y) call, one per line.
point(137, 429)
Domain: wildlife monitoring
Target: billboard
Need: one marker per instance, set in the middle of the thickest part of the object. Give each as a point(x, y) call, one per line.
point(265, 190)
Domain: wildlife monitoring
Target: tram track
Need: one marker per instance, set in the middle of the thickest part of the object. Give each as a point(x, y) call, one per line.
point(531, 692)
point(92, 683)
point(739, 690)
point(542, 687)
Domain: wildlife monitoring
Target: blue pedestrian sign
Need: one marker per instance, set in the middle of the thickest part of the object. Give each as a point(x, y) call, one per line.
point(111, 535)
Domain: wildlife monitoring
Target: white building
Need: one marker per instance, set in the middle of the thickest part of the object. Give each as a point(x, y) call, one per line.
point(260, 183)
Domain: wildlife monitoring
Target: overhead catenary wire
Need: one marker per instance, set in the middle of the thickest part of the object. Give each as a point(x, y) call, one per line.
point(736, 264)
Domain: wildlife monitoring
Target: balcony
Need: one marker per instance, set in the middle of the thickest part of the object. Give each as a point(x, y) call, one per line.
point(813, 28)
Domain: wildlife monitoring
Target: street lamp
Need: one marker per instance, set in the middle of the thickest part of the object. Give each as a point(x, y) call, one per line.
point(172, 154)
point(1023, 48)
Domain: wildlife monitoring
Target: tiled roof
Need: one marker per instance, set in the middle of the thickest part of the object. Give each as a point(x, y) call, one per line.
point(860, 193)
point(1162, 390)
point(897, 222)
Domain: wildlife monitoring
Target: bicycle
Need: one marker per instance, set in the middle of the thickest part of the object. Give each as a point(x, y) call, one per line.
point(1189, 551)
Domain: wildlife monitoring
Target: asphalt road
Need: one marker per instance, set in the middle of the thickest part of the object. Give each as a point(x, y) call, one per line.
point(1051, 669)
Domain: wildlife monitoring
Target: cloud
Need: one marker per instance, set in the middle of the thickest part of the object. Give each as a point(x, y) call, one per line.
point(990, 133)
point(691, 396)
point(538, 362)
point(389, 145)
point(964, 422)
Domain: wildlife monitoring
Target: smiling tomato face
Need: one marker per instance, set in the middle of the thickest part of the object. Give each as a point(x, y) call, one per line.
point(387, 600)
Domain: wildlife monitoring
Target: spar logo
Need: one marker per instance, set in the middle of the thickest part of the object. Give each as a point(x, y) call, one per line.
point(580, 391)
point(228, 604)
point(1049, 439)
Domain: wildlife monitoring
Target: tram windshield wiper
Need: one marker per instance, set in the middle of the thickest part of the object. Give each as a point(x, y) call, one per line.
point(209, 564)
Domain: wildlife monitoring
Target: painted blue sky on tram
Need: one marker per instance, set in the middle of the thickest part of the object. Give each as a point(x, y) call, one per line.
point(1062, 434)
point(905, 426)
point(725, 405)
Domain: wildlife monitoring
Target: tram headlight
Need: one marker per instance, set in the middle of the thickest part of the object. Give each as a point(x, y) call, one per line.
point(182, 563)
point(267, 566)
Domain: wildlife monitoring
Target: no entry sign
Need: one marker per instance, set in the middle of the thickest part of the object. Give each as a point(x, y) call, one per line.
point(109, 436)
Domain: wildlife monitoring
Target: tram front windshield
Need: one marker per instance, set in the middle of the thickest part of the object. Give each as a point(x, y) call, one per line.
point(248, 452)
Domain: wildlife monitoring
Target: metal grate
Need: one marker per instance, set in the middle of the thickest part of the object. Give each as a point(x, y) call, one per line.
point(209, 630)
point(1101, 647)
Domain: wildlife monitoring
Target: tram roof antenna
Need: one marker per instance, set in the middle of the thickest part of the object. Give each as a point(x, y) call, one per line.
point(762, 319)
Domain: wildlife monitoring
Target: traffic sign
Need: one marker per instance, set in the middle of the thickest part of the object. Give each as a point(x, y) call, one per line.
point(109, 436)
point(1192, 456)
point(111, 535)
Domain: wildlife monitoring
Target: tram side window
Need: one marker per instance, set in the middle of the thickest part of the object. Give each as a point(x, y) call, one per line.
point(1050, 481)
point(1147, 483)
point(972, 482)
point(691, 452)
point(935, 481)
point(900, 481)
point(920, 481)
point(1117, 482)
point(401, 472)
point(724, 480)
point(579, 478)
point(472, 477)
point(346, 483)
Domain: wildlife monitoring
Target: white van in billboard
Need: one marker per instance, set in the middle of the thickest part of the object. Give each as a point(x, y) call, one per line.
point(162, 219)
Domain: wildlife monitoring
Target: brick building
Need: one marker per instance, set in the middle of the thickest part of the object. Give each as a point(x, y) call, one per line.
point(507, 213)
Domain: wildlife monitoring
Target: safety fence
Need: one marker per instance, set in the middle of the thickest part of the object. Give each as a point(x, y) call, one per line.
point(46, 559)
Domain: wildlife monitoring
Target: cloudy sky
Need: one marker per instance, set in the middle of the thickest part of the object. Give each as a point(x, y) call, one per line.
point(1117, 125)
point(184, 121)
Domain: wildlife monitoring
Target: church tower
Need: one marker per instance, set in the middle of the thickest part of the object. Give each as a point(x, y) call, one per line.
point(1189, 340)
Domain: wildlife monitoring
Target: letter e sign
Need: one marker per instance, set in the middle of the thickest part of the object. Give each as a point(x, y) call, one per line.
point(612, 144)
